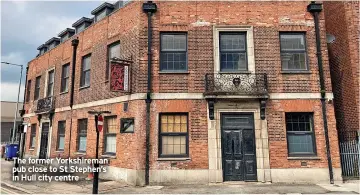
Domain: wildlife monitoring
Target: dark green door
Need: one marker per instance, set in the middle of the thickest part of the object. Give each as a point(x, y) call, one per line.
point(238, 147)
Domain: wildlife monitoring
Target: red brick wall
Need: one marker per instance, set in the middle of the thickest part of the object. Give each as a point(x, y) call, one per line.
point(197, 128)
point(342, 21)
point(130, 146)
point(278, 149)
point(129, 25)
point(121, 25)
point(268, 19)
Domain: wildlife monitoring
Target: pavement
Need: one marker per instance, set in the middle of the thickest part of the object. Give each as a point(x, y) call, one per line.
point(8, 186)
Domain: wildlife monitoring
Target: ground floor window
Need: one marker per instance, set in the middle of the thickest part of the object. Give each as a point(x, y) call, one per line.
point(110, 135)
point(300, 134)
point(173, 136)
point(61, 135)
point(82, 132)
point(33, 136)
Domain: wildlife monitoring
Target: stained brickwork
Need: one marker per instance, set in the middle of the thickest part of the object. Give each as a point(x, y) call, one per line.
point(342, 21)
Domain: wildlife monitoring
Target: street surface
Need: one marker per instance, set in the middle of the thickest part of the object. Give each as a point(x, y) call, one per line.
point(111, 187)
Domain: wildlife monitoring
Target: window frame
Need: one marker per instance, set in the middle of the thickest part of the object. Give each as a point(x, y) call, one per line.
point(107, 69)
point(37, 88)
point(105, 10)
point(106, 134)
point(82, 81)
point(32, 135)
point(186, 52)
point(160, 155)
point(79, 28)
point(60, 135)
point(122, 121)
point(303, 33)
point(48, 83)
point(314, 154)
point(246, 51)
point(28, 91)
point(63, 79)
point(81, 135)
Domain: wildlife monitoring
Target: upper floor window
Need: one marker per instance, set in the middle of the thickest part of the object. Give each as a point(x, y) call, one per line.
point(64, 38)
point(113, 51)
point(80, 28)
point(42, 51)
point(82, 134)
point(28, 90)
point(173, 57)
point(50, 84)
point(300, 134)
point(101, 15)
point(85, 71)
point(65, 78)
point(233, 53)
point(293, 51)
point(51, 46)
point(173, 135)
point(37, 88)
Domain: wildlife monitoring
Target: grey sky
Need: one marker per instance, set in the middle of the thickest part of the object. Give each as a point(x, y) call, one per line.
point(27, 24)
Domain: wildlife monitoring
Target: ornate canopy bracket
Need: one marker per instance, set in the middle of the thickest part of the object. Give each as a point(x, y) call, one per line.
point(263, 109)
point(39, 118)
point(211, 106)
point(51, 116)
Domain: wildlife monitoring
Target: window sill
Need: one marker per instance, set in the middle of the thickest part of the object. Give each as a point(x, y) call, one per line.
point(65, 92)
point(174, 159)
point(109, 156)
point(174, 72)
point(80, 153)
point(84, 87)
point(59, 151)
point(235, 72)
point(295, 72)
point(304, 158)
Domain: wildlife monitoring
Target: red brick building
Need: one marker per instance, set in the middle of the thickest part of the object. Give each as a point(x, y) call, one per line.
point(343, 24)
point(235, 93)
point(343, 30)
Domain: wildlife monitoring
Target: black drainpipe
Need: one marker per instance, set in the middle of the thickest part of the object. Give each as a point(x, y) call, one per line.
point(149, 8)
point(74, 44)
point(22, 112)
point(315, 9)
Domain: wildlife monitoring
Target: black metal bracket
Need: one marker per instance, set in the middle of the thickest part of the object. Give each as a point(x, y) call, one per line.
point(39, 118)
point(51, 116)
point(211, 103)
point(263, 109)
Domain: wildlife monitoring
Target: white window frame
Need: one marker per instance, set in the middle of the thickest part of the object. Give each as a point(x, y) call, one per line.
point(250, 51)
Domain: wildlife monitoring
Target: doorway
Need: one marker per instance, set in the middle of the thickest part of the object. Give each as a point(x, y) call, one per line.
point(238, 147)
point(44, 139)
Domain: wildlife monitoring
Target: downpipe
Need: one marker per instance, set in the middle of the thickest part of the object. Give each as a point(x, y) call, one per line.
point(149, 8)
point(74, 44)
point(315, 9)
